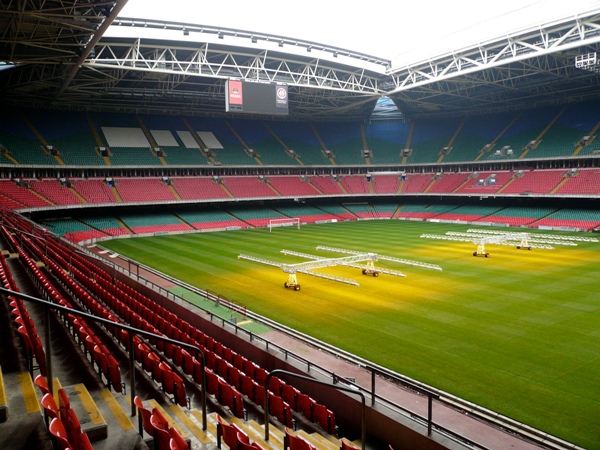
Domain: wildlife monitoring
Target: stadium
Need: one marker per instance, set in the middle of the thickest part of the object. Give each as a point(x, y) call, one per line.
point(219, 236)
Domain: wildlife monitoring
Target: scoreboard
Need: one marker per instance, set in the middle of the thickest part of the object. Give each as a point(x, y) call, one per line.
point(256, 97)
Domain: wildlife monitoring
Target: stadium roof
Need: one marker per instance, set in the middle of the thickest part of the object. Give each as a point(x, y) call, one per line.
point(66, 55)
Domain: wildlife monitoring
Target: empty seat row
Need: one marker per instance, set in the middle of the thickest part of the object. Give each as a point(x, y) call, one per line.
point(63, 422)
point(101, 357)
point(229, 375)
point(153, 422)
point(30, 340)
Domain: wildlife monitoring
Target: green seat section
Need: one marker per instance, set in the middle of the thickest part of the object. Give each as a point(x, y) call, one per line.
point(385, 210)
point(133, 156)
point(257, 217)
point(524, 212)
point(25, 150)
point(106, 224)
point(181, 156)
point(73, 230)
point(339, 211)
point(153, 222)
point(211, 219)
point(306, 213)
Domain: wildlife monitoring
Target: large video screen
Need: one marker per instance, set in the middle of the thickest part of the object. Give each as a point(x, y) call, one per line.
point(256, 97)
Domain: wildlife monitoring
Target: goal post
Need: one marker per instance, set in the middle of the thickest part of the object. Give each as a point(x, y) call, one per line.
point(285, 222)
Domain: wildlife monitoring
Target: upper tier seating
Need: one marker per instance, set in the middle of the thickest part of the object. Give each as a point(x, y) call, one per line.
point(291, 186)
point(449, 182)
point(326, 185)
point(94, 190)
point(535, 182)
point(586, 182)
point(78, 136)
point(385, 184)
point(416, 183)
point(244, 187)
point(485, 183)
point(55, 192)
point(22, 195)
point(198, 188)
point(143, 190)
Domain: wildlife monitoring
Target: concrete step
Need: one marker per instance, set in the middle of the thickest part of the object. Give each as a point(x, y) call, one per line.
point(24, 427)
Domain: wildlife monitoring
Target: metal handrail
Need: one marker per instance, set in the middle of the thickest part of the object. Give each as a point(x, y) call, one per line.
point(312, 380)
point(131, 331)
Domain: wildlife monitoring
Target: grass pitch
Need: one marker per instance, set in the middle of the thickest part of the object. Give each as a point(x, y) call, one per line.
point(518, 332)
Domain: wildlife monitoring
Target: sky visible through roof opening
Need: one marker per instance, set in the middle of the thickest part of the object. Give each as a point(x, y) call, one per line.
point(396, 30)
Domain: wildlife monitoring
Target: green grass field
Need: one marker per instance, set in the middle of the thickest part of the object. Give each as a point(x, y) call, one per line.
point(518, 332)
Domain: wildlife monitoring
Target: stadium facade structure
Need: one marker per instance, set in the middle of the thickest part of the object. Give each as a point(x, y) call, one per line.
point(67, 85)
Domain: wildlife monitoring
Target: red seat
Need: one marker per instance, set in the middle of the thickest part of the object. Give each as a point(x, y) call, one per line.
point(211, 360)
point(187, 362)
point(57, 430)
point(176, 438)
point(294, 442)
point(114, 374)
point(212, 383)
point(230, 433)
point(160, 419)
point(143, 356)
point(234, 377)
point(155, 362)
point(239, 361)
point(63, 402)
point(179, 391)
point(222, 367)
point(347, 446)
point(280, 409)
point(73, 427)
point(144, 416)
point(197, 371)
point(84, 442)
point(249, 368)
point(168, 384)
point(228, 355)
point(162, 440)
point(275, 385)
point(41, 382)
point(324, 418)
point(50, 408)
point(289, 393)
point(305, 405)
point(27, 346)
point(260, 375)
point(245, 446)
point(231, 398)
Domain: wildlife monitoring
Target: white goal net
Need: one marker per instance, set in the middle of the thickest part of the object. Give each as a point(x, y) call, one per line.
point(287, 222)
